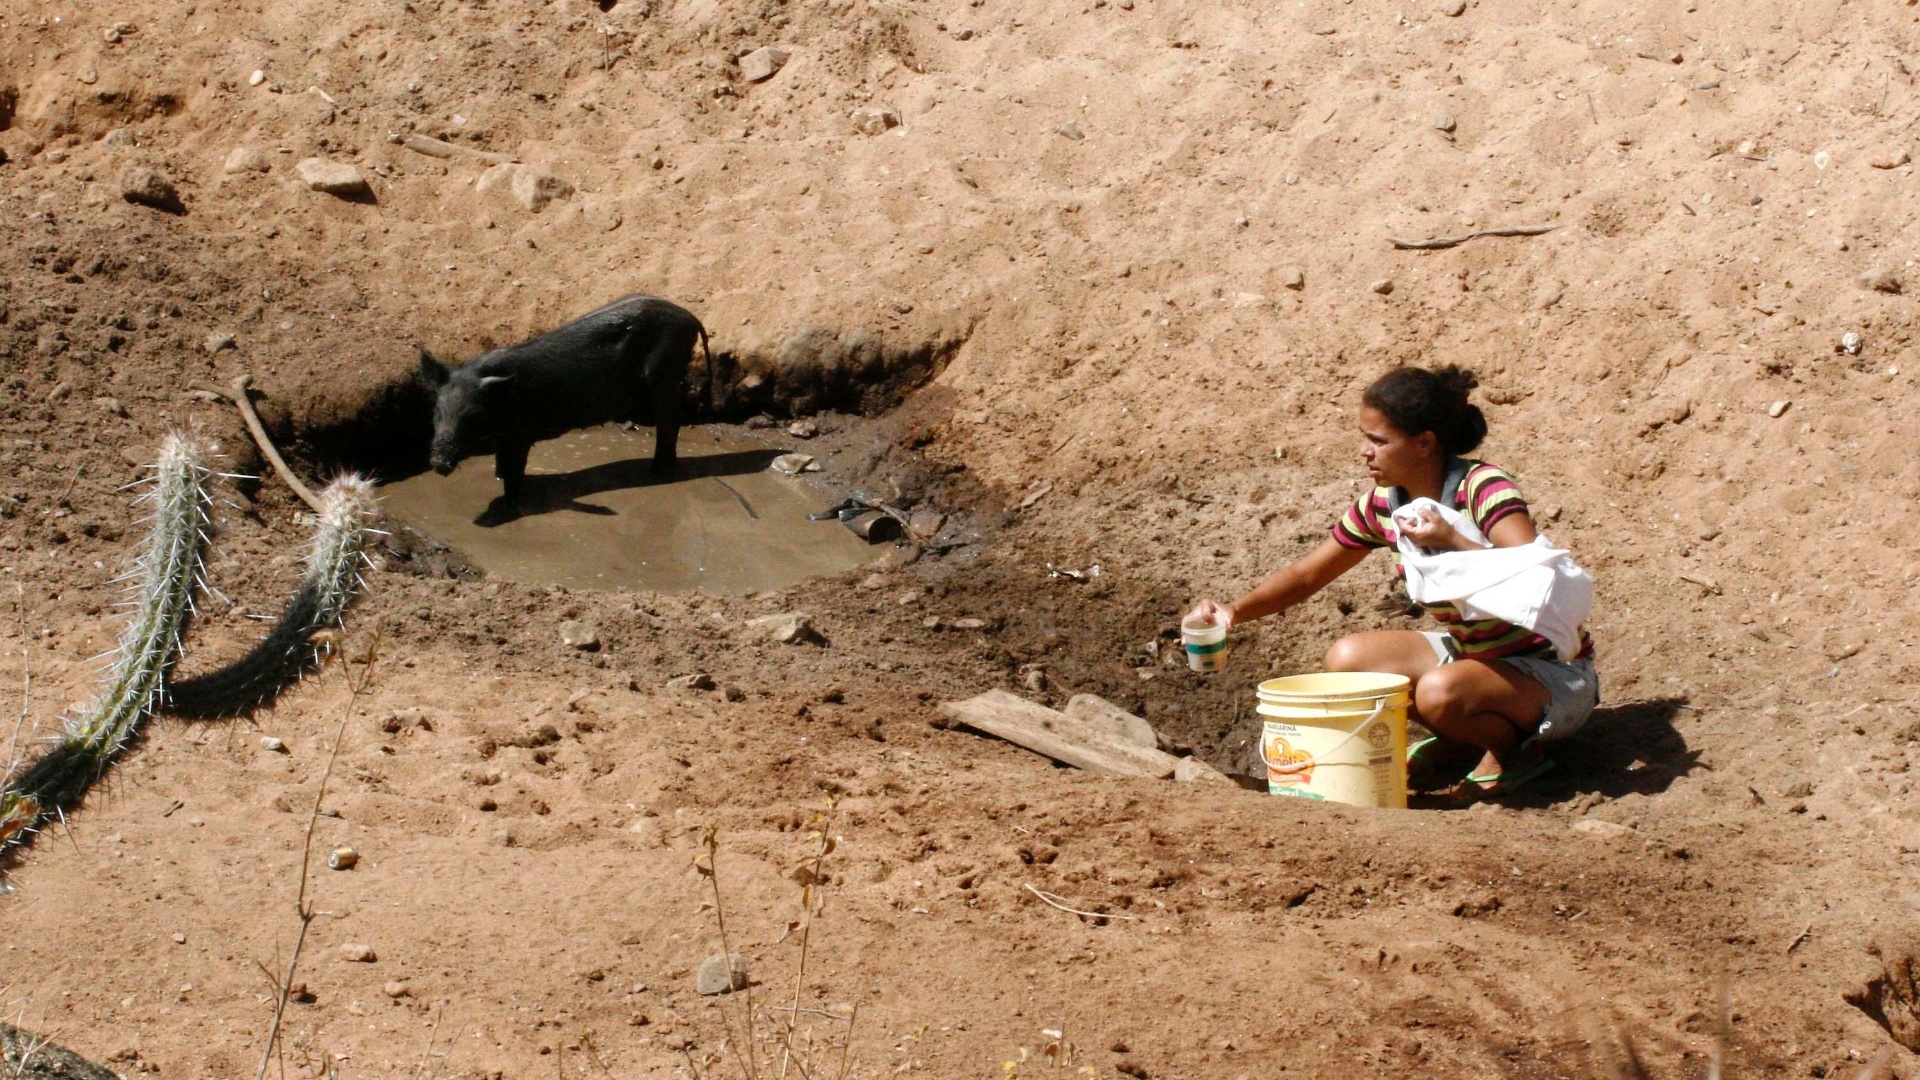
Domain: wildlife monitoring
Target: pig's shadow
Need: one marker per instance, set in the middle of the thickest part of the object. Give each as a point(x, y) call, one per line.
point(545, 493)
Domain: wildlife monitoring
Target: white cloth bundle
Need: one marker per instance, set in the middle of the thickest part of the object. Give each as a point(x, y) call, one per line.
point(1535, 585)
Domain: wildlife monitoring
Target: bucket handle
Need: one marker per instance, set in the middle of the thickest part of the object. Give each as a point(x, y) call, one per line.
point(1312, 760)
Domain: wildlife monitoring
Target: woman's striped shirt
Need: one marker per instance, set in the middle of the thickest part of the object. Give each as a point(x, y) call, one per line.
point(1486, 496)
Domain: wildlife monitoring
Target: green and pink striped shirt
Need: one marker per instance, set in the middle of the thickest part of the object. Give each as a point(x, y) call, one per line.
point(1487, 496)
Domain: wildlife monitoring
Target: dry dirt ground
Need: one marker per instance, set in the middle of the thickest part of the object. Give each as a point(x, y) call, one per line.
point(1102, 278)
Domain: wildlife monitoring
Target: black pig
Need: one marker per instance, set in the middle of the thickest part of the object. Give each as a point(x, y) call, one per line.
point(625, 361)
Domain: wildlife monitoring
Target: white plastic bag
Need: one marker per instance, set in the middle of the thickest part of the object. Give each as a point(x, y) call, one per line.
point(1535, 585)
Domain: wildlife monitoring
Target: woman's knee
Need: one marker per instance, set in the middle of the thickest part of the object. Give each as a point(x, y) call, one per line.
point(1440, 694)
point(1348, 654)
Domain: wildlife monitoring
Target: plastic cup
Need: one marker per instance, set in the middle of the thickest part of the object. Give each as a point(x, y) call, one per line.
point(1206, 642)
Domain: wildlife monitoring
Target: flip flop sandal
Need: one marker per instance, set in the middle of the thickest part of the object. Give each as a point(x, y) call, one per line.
point(1428, 768)
point(1475, 787)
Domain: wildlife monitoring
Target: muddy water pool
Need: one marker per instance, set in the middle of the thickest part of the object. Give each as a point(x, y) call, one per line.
point(594, 517)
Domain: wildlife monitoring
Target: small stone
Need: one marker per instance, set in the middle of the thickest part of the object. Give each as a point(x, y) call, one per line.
point(875, 121)
point(272, 745)
point(721, 974)
point(1884, 279)
point(786, 628)
point(179, 939)
point(342, 858)
point(332, 177)
point(656, 162)
point(1777, 408)
point(1292, 277)
point(1444, 122)
point(356, 953)
point(1890, 159)
point(110, 405)
point(139, 184)
point(581, 636)
point(1072, 131)
point(1383, 286)
point(687, 684)
point(965, 33)
point(1125, 5)
point(602, 217)
point(245, 159)
point(902, 307)
point(396, 989)
point(803, 429)
point(1036, 680)
point(794, 464)
point(760, 64)
point(257, 77)
point(218, 340)
point(1850, 343)
point(1453, 9)
point(1601, 830)
point(926, 523)
point(1798, 789)
point(535, 189)
point(1190, 770)
point(969, 624)
point(118, 137)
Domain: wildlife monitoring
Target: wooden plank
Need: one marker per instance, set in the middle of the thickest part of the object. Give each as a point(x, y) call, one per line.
point(1099, 713)
point(1057, 736)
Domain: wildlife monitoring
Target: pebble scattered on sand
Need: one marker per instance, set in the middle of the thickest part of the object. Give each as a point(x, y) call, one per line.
point(218, 340)
point(581, 636)
point(332, 177)
point(272, 745)
point(1383, 286)
point(1777, 408)
point(761, 64)
point(1444, 122)
point(718, 976)
point(1292, 277)
point(148, 187)
point(244, 159)
point(1884, 279)
point(257, 77)
point(355, 953)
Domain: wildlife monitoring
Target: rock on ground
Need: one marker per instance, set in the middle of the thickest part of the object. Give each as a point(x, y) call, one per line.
point(760, 64)
point(718, 976)
point(148, 187)
point(332, 177)
point(245, 159)
point(529, 187)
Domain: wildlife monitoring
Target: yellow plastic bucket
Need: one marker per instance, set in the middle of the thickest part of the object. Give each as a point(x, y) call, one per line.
point(1338, 736)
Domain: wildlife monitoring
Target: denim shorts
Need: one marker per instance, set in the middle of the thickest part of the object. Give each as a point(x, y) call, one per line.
point(1573, 688)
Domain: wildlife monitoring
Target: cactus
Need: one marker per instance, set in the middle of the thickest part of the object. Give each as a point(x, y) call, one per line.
point(164, 577)
point(288, 651)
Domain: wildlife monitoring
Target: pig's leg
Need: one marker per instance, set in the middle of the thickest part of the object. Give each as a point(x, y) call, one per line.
point(666, 368)
point(510, 465)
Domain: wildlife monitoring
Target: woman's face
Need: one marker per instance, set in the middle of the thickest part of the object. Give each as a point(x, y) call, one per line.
point(1393, 457)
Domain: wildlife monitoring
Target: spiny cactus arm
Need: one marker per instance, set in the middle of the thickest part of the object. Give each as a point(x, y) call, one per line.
point(168, 566)
point(347, 509)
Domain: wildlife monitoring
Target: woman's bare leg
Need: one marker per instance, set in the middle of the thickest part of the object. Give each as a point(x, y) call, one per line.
point(1486, 703)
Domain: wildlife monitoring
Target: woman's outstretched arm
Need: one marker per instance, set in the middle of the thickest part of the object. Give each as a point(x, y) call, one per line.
point(1287, 586)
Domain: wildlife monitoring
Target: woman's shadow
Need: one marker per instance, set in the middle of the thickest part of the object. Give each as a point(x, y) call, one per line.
point(1627, 749)
point(545, 493)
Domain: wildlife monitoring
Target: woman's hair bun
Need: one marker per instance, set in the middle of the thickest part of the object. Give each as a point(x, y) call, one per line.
point(1416, 400)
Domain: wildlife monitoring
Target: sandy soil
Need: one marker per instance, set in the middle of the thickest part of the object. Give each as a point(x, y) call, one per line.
point(1103, 277)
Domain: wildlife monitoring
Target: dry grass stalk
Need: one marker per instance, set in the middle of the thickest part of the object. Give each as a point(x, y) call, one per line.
point(357, 688)
point(799, 1052)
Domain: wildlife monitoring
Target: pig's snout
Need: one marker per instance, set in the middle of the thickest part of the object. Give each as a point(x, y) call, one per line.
point(444, 468)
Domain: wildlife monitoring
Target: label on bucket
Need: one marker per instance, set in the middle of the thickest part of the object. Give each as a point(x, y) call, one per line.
point(1289, 769)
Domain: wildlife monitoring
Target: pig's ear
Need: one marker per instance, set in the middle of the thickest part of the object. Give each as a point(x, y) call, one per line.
point(494, 384)
point(433, 370)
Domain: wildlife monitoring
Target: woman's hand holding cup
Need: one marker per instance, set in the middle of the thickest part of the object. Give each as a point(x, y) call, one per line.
point(1204, 633)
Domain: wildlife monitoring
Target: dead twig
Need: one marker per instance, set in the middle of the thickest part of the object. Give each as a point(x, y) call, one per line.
point(356, 689)
point(238, 395)
point(1440, 242)
point(1053, 901)
point(26, 688)
point(1805, 933)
